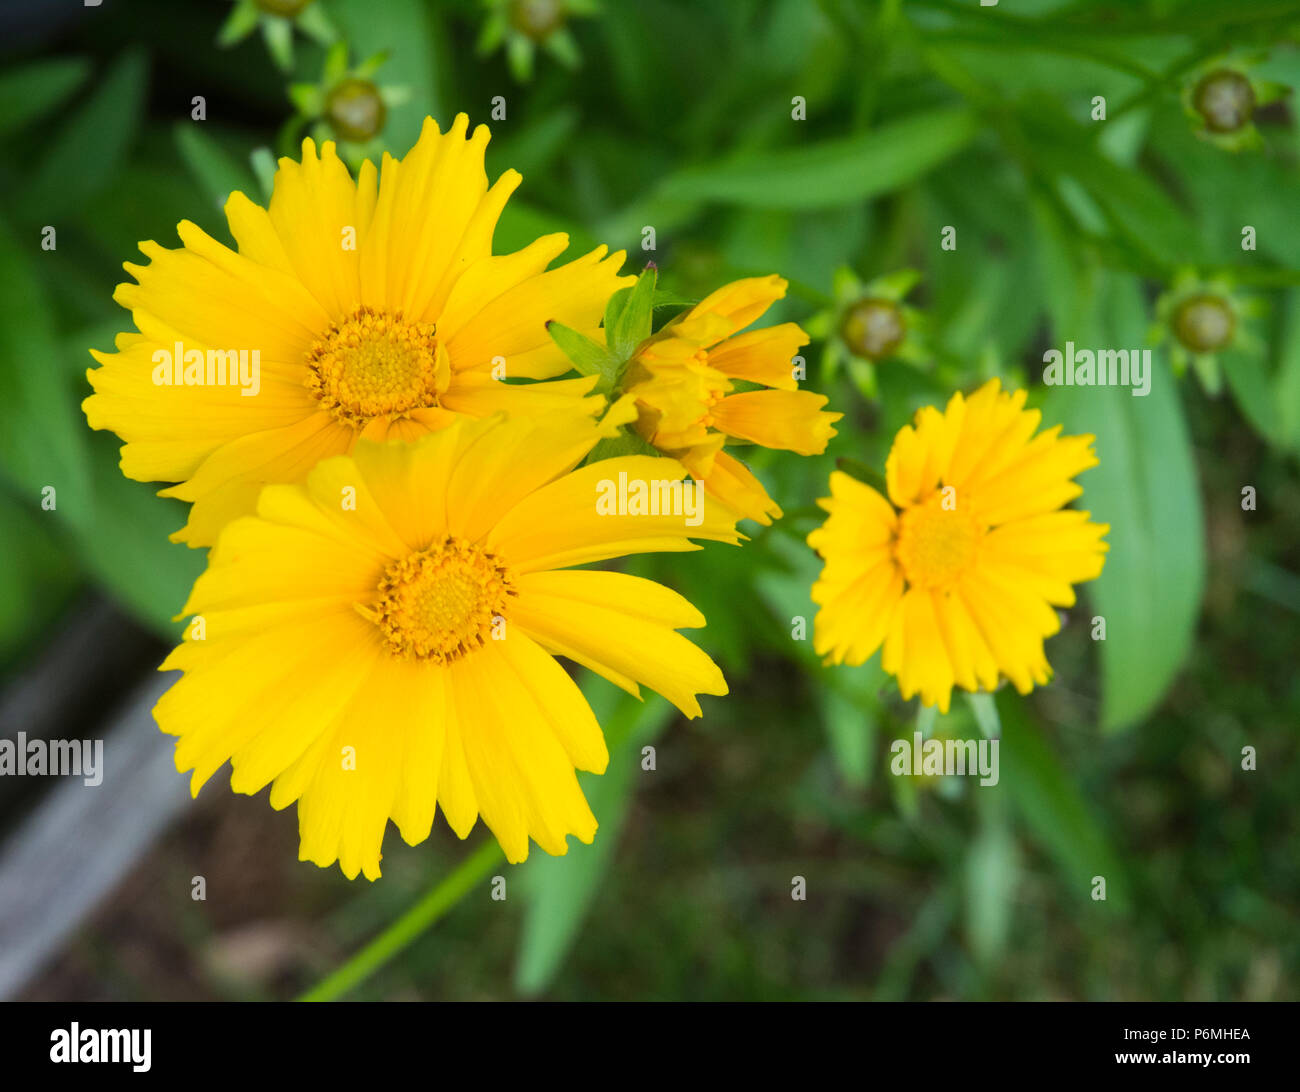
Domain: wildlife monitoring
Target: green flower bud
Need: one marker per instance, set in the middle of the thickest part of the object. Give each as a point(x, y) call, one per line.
point(355, 110)
point(285, 8)
point(537, 19)
point(873, 328)
point(1204, 323)
point(1225, 99)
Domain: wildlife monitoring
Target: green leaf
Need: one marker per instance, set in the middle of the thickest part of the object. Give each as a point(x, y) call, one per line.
point(1142, 214)
point(42, 434)
point(33, 90)
point(37, 578)
point(985, 708)
point(219, 173)
point(833, 172)
point(992, 875)
point(1149, 592)
point(560, 890)
point(86, 152)
point(241, 22)
point(851, 728)
point(127, 547)
point(1253, 390)
point(1288, 371)
point(1051, 807)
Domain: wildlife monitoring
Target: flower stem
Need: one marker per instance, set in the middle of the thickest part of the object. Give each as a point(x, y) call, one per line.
point(441, 898)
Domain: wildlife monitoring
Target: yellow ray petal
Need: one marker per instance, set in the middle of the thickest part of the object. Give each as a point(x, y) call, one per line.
point(622, 627)
point(785, 420)
point(762, 356)
point(560, 524)
point(226, 486)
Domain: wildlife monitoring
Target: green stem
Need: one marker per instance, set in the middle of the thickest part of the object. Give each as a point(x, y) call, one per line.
point(926, 717)
point(441, 898)
point(985, 708)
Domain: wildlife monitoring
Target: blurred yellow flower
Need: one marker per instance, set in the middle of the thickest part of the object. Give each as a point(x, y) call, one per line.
point(358, 309)
point(683, 379)
point(376, 659)
point(959, 576)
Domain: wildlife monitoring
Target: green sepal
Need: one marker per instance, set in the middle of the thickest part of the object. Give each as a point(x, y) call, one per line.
point(634, 319)
point(588, 356)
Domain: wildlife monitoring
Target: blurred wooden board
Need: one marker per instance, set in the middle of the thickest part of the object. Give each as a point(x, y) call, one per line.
point(80, 841)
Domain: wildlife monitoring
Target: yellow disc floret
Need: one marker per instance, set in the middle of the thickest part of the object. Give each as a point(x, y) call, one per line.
point(442, 602)
point(374, 364)
point(937, 544)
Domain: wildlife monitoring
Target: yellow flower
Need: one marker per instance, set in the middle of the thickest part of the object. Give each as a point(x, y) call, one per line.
point(380, 638)
point(958, 577)
point(682, 379)
point(375, 308)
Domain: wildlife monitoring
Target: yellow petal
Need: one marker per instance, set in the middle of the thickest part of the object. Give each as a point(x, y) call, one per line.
point(786, 420)
point(762, 356)
point(622, 627)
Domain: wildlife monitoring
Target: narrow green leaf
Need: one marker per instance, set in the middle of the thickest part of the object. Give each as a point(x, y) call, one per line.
point(29, 92)
point(42, 434)
point(91, 145)
point(1145, 488)
point(851, 731)
point(1254, 392)
point(992, 874)
point(1049, 804)
point(127, 547)
point(561, 889)
point(219, 173)
point(834, 172)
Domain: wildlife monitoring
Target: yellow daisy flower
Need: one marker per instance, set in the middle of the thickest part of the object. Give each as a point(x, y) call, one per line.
point(379, 639)
point(683, 377)
point(375, 307)
point(959, 572)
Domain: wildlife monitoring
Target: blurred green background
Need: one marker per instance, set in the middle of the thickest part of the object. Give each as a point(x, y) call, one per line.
point(681, 115)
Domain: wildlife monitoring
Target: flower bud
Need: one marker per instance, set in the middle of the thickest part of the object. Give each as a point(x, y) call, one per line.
point(537, 19)
point(355, 110)
point(1204, 323)
point(873, 328)
point(1225, 99)
point(286, 9)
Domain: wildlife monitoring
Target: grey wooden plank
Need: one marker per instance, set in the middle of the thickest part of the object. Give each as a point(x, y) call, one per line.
point(80, 841)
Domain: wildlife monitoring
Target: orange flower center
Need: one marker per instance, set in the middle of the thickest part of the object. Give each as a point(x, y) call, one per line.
point(373, 364)
point(443, 602)
point(937, 544)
